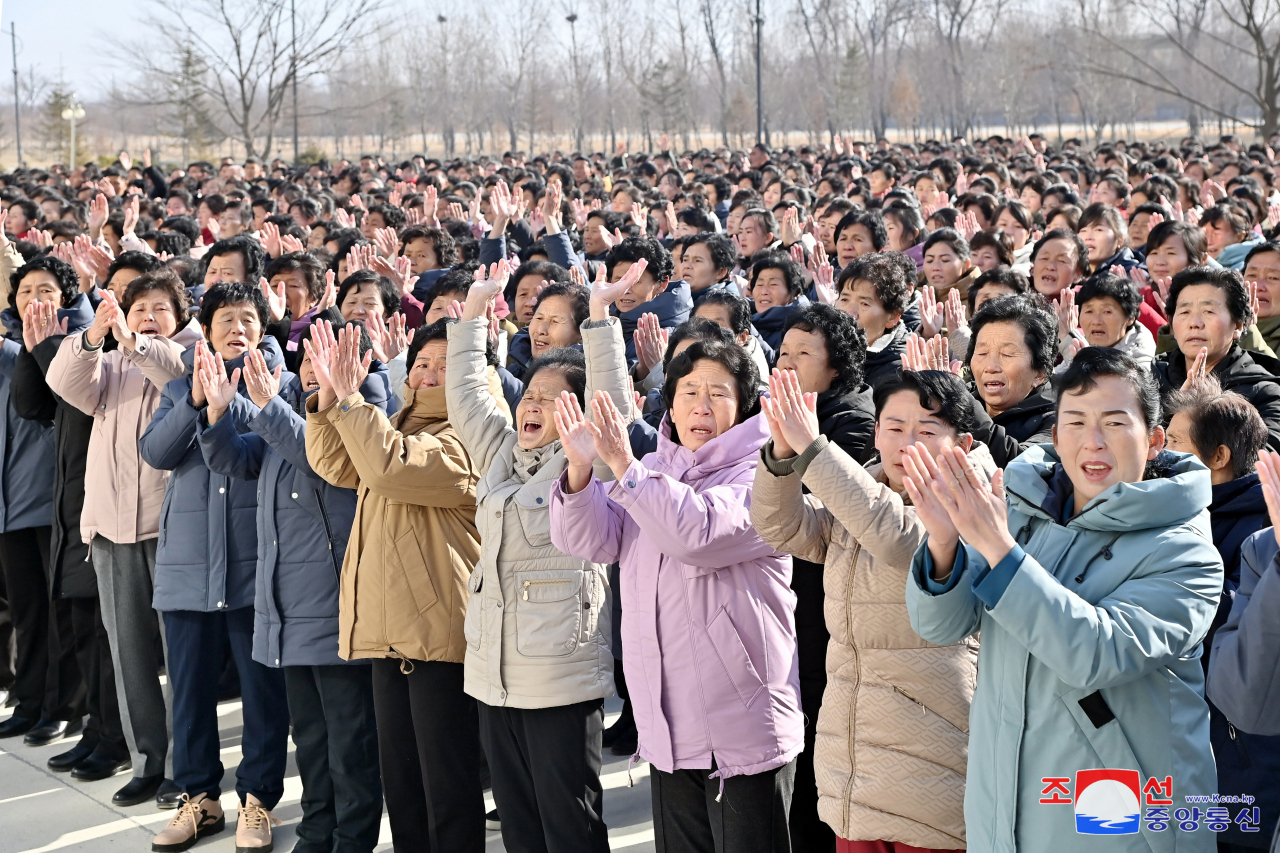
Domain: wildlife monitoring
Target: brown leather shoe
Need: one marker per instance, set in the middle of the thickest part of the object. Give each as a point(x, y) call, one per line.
point(196, 816)
point(253, 828)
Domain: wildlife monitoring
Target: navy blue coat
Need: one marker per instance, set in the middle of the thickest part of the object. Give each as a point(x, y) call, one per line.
point(208, 549)
point(672, 306)
point(772, 324)
point(303, 524)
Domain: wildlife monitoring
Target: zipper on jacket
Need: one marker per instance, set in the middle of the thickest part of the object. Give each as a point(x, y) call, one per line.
point(924, 709)
point(1240, 750)
point(528, 584)
point(328, 535)
point(851, 732)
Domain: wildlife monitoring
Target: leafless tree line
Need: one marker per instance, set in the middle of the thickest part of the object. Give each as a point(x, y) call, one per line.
point(594, 74)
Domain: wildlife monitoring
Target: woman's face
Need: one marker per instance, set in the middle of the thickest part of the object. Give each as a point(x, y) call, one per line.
point(806, 354)
point(1263, 270)
point(770, 290)
point(734, 220)
point(296, 291)
point(989, 292)
point(37, 286)
point(1101, 241)
point(859, 300)
point(526, 299)
point(1219, 236)
point(926, 188)
point(1102, 439)
point(1055, 267)
point(645, 289)
point(428, 368)
point(1103, 322)
point(363, 302)
point(705, 404)
point(152, 313)
point(1168, 259)
point(422, 255)
point(772, 194)
point(236, 329)
point(697, 268)
point(535, 421)
point(854, 242)
point(1009, 223)
point(553, 326)
point(896, 234)
point(943, 266)
point(1201, 319)
point(1030, 198)
point(316, 236)
point(985, 258)
point(901, 423)
point(1002, 366)
point(718, 314)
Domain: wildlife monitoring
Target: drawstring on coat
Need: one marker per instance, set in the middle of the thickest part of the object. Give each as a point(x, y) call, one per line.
point(1105, 552)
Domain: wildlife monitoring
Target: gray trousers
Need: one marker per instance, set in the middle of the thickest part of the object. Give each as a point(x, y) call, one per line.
point(126, 580)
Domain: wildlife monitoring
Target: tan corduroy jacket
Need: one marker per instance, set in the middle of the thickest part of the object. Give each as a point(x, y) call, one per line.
point(414, 541)
point(893, 732)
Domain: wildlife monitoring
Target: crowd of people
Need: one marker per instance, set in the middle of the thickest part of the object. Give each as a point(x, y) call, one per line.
point(913, 497)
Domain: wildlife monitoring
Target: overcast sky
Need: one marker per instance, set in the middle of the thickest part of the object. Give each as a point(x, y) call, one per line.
point(67, 36)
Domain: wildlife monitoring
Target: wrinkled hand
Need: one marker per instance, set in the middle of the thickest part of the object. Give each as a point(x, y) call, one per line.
point(613, 445)
point(219, 391)
point(577, 439)
point(651, 343)
point(792, 414)
point(349, 370)
point(270, 235)
point(322, 349)
point(41, 323)
point(277, 303)
point(954, 311)
point(1198, 371)
point(977, 508)
point(1068, 313)
point(263, 384)
point(604, 294)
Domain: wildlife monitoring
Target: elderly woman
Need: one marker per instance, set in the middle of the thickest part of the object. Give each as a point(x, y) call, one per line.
point(1209, 310)
point(860, 531)
point(1104, 313)
point(777, 291)
point(1058, 261)
point(708, 627)
point(538, 658)
point(1011, 359)
point(412, 551)
point(120, 389)
point(1088, 569)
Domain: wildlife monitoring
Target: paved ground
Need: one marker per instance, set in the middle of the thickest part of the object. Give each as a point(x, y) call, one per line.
point(44, 811)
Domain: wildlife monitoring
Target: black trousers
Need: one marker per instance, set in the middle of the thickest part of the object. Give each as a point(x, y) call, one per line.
point(196, 643)
point(429, 749)
point(6, 638)
point(104, 730)
point(331, 708)
point(751, 816)
point(545, 764)
point(47, 683)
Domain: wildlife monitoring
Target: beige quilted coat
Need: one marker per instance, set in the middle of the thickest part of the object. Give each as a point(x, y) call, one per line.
point(893, 732)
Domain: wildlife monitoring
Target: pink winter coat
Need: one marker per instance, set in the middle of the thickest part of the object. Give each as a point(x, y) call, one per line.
point(123, 494)
point(707, 618)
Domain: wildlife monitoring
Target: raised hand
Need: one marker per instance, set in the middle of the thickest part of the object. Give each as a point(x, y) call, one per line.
point(932, 313)
point(99, 209)
point(322, 350)
point(277, 303)
point(1269, 474)
point(604, 295)
point(915, 355)
point(977, 508)
point(430, 201)
point(400, 271)
point(1068, 313)
point(640, 216)
point(263, 384)
point(41, 323)
point(823, 278)
point(550, 207)
point(793, 411)
point(330, 297)
point(288, 244)
point(577, 440)
point(612, 442)
point(789, 229)
point(954, 311)
point(1198, 371)
point(130, 215)
point(342, 218)
point(922, 473)
point(104, 320)
point(651, 343)
point(487, 286)
point(219, 391)
point(1162, 288)
point(349, 370)
point(270, 235)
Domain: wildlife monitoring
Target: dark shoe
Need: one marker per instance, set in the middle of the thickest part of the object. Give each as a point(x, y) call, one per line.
point(491, 821)
point(68, 760)
point(99, 766)
point(15, 726)
point(47, 731)
point(626, 744)
point(623, 727)
point(169, 796)
point(138, 791)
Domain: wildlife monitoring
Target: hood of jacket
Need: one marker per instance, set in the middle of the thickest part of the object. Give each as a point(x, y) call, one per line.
point(737, 445)
point(79, 316)
point(1176, 491)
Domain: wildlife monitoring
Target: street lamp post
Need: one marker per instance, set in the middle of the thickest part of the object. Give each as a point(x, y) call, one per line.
point(572, 18)
point(72, 113)
point(759, 22)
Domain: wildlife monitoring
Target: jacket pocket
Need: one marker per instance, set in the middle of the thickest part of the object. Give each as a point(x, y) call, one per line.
point(416, 572)
point(471, 622)
point(1096, 720)
point(533, 503)
point(734, 658)
point(548, 613)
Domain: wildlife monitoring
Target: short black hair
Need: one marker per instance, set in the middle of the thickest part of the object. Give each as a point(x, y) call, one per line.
point(723, 253)
point(633, 249)
point(884, 274)
point(1261, 249)
point(698, 329)
point(1004, 276)
point(1039, 327)
point(951, 237)
point(454, 282)
point(737, 305)
point(446, 248)
point(869, 220)
point(1221, 418)
point(846, 342)
point(302, 262)
point(65, 275)
point(578, 295)
point(732, 358)
point(544, 270)
point(183, 225)
point(1228, 281)
point(226, 293)
point(571, 363)
point(437, 331)
point(909, 220)
point(162, 279)
point(781, 261)
point(143, 262)
point(939, 391)
point(1193, 240)
point(1110, 286)
point(387, 291)
point(1082, 251)
point(248, 248)
point(1094, 363)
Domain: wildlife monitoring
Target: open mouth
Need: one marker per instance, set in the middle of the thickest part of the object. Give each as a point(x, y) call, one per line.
point(311, 385)
point(1095, 471)
point(531, 427)
point(702, 431)
point(149, 329)
point(540, 344)
point(993, 387)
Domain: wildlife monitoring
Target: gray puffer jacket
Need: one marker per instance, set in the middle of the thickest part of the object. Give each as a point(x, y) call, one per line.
point(538, 622)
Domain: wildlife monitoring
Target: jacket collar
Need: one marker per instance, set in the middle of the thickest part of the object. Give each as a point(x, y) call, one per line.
point(734, 446)
point(1241, 496)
